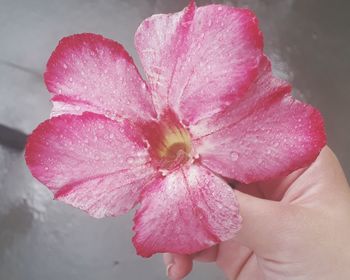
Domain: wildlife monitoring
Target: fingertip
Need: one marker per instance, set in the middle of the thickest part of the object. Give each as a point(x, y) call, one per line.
point(177, 266)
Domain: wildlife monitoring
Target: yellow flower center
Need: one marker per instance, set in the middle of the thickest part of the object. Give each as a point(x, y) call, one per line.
point(175, 147)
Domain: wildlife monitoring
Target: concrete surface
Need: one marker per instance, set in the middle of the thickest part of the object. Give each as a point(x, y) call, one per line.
point(40, 239)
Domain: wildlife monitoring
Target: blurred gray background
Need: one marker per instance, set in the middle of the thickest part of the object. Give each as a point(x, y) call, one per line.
point(40, 239)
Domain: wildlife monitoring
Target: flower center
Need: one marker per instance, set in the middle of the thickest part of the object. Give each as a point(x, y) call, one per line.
point(175, 147)
point(169, 142)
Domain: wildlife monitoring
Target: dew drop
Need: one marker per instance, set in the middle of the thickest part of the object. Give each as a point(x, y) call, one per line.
point(65, 66)
point(130, 160)
point(234, 156)
point(219, 8)
point(164, 172)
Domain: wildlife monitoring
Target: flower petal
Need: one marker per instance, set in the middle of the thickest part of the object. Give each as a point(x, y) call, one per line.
point(88, 72)
point(90, 162)
point(201, 59)
point(267, 134)
point(185, 212)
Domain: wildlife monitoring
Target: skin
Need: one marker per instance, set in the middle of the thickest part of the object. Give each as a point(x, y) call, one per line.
point(298, 228)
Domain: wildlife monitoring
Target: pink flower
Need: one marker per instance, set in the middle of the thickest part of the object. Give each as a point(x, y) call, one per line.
point(211, 109)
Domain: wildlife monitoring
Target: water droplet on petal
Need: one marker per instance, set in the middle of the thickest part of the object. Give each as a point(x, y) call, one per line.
point(130, 160)
point(234, 156)
point(164, 172)
point(65, 66)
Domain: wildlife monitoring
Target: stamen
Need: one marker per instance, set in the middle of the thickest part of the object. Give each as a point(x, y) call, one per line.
point(170, 143)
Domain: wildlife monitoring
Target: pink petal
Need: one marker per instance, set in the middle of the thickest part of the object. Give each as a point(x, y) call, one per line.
point(267, 134)
point(90, 162)
point(187, 211)
point(88, 72)
point(200, 60)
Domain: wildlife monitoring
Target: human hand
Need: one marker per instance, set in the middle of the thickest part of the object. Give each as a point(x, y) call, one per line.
point(297, 227)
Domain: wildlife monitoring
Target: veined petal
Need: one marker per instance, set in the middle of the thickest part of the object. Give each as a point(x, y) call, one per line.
point(88, 72)
point(90, 162)
point(268, 134)
point(187, 211)
point(200, 60)
point(262, 92)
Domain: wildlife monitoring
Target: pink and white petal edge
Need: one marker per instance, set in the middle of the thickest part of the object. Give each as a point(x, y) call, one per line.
point(187, 211)
point(200, 60)
point(88, 72)
point(268, 134)
point(91, 162)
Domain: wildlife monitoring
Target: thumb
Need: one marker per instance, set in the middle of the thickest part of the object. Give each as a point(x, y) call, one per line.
point(264, 223)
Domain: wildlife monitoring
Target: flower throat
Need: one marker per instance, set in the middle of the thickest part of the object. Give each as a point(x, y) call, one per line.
point(170, 143)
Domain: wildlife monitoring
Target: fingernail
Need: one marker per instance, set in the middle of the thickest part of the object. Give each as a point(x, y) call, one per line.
point(168, 268)
point(169, 262)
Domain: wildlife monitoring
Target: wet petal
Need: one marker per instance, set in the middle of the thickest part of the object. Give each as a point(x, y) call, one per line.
point(88, 72)
point(268, 134)
point(90, 162)
point(185, 212)
point(200, 60)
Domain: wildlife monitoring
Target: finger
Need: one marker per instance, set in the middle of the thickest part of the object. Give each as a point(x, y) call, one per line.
point(177, 266)
point(324, 178)
point(237, 261)
point(273, 189)
point(266, 221)
point(263, 222)
point(207, 255)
